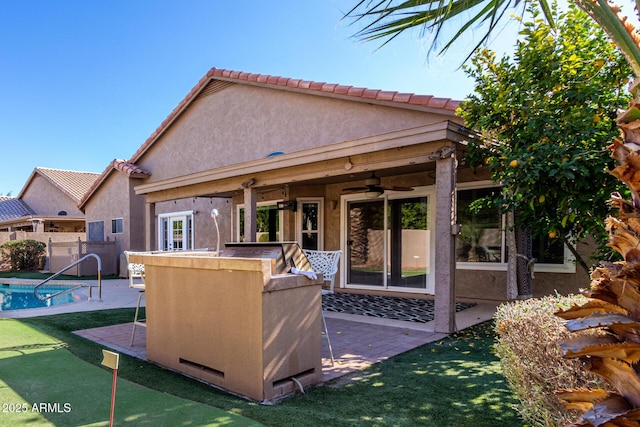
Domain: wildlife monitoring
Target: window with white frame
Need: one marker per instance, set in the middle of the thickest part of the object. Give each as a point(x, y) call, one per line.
point(117, 226)
point(268, 222)
point(482, 241)
point(481, 237)
point(309, 220)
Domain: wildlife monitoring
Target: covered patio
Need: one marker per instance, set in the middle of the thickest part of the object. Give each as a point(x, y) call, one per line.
point(416, 157)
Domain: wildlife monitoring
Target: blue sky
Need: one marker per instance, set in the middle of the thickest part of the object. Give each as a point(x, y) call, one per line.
point(84, 82)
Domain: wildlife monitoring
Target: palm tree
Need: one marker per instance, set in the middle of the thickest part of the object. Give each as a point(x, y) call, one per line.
point(614, 304)
point(386, 19)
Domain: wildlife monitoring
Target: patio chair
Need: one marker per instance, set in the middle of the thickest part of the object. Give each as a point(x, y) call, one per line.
point(325, 262)
point(136, 281)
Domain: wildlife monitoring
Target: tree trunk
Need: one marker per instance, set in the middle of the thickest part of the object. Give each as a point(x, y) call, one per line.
point(524, 262)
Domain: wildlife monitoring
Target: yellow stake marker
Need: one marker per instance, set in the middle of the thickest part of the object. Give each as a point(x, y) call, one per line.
point(111, 360)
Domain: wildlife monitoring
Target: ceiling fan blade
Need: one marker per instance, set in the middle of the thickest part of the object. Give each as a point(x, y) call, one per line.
point(393, 188)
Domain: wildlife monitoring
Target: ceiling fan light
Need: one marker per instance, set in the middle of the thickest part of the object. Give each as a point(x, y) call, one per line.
point(373, 193)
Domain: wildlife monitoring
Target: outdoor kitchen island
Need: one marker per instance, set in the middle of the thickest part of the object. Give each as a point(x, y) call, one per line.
point(238, 323)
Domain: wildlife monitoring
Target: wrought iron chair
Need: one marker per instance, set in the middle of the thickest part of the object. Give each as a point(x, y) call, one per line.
point(325, 262)
point(136, 281)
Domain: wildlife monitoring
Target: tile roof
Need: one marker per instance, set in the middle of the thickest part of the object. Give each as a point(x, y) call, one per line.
point(397, 99)
point(124, 166)
point(12, 207)
point(129, 168)
point(73, 183)
point(348, 91)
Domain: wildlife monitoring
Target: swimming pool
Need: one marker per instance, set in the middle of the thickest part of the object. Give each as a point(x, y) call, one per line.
point(19, 296)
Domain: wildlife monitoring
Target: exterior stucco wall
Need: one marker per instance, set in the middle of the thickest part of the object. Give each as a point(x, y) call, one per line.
point(244, 123)
point(116, 199)
point(136, 226)
point(110, 202)
point(47, 199)
point(204, 232)
point(492, 285)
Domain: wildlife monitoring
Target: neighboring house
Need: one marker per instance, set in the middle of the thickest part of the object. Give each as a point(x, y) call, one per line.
point(48, 202)
point(15, 214)
point(370, 172)
point(46, 210)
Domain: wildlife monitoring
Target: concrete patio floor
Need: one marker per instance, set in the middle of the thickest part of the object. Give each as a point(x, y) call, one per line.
point(357, 341)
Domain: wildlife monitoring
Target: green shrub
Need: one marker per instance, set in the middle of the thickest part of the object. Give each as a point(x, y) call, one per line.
point(527, 335)
point(23, 255)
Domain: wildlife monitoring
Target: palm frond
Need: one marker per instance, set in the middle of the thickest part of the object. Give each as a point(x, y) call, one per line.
point(621, 31)
point(391, 18)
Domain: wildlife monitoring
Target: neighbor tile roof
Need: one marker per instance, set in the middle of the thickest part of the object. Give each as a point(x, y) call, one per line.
point(397, 99)
point(73, 183)
point(12, 207)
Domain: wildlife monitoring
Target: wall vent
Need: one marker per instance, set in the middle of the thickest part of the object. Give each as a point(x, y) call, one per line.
point(203, 368)
point(214, 86)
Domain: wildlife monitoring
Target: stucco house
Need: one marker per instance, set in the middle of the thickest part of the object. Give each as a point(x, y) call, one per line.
point(48, 202)
point(15, 214)
point(113, 210)
point(380, 175)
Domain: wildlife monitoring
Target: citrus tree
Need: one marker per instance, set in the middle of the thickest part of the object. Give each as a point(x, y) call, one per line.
point(544, 120)
point(614, 304)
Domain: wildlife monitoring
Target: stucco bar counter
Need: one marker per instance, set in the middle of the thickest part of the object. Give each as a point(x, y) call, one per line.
point(232, 323)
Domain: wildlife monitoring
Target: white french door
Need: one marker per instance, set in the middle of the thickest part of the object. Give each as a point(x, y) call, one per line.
point(310, 223)
point(175, 231)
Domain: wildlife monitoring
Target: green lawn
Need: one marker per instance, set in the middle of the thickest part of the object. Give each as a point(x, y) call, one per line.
point(42, 383)
point(455, 381)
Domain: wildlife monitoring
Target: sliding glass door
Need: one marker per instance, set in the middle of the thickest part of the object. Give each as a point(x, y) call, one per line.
point(388, 242)
point(408, 253)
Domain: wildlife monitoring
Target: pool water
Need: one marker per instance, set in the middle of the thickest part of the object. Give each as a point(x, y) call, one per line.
point(20, 297)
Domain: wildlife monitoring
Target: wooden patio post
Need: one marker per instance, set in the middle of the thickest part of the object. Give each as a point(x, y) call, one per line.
point(250, 218)
point(445, 260)
point(151, 228)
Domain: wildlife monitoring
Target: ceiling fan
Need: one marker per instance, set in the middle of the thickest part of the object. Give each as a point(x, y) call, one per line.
point(373, 189)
